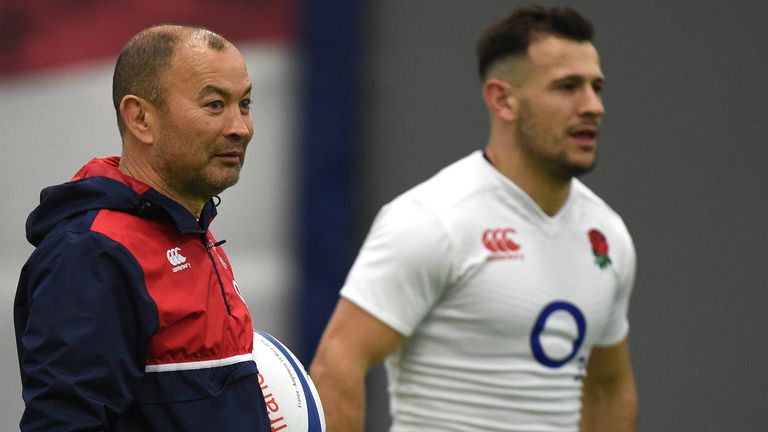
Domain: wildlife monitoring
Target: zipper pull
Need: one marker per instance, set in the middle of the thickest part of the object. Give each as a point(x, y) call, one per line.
point(217, 244)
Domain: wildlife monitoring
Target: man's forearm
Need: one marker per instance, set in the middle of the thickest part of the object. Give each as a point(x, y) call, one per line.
point(342, 393)
point(605, 410)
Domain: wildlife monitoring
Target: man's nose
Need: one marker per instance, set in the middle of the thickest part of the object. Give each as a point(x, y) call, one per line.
point(240, 124)
point(592, 103)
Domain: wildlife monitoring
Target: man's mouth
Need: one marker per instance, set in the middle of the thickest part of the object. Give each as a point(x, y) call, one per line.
point(230, 155)
point(586, 135)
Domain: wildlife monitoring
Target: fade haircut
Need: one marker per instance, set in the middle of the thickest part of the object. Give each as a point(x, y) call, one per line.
point(512, 34)
point(140, 66)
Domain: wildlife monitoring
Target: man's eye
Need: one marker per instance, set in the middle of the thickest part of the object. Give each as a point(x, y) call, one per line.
point(215, 105)
point(245, 104)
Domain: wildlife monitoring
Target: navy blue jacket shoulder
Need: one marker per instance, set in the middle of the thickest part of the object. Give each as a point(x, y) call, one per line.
point(127, 315)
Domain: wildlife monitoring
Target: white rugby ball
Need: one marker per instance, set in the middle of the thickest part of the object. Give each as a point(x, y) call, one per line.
point(292, 401)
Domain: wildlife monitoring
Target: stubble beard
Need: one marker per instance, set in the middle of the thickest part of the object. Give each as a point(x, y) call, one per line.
point(202, 181)
point(533, 138)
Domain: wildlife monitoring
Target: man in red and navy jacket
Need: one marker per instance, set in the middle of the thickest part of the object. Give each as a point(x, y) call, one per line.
point(127, 314)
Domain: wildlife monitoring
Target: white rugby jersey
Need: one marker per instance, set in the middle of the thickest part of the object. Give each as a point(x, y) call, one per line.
point(500, 303)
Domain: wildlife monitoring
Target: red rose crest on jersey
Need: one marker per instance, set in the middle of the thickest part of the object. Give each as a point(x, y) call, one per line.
point(599, 248)
point(500, 242)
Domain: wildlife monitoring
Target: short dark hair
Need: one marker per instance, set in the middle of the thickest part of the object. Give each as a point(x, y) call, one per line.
point(139, 67)
point(512, 34)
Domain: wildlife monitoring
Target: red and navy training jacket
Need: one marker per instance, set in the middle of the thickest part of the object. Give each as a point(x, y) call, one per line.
point(128, 317)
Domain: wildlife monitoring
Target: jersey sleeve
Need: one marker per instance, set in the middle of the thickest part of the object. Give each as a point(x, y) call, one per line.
point(82, 319)
point(625, 267)
point(403, 266)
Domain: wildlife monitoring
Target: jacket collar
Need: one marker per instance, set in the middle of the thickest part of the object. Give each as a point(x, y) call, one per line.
point(101, 185)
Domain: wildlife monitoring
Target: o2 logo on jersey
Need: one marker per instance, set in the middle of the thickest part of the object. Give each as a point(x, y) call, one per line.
point(540, 329)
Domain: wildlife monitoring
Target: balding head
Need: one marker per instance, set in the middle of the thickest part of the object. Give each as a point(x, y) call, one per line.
point(148, 54)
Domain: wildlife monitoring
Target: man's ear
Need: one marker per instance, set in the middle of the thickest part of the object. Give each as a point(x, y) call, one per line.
point(501, 99)
point(138, 115)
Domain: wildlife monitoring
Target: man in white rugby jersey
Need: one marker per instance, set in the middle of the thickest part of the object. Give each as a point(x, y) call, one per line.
point(498, 290)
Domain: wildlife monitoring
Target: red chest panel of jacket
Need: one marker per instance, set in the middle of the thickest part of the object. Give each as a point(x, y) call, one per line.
point(203, 320)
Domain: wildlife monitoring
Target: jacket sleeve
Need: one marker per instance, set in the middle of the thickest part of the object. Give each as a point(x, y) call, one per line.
point(83, 318)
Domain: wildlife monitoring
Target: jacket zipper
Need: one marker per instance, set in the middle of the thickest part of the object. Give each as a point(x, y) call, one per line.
point(208, 248)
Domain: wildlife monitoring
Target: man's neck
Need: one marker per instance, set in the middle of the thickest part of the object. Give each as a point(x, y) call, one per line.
point(548, 192)
point(143, 172)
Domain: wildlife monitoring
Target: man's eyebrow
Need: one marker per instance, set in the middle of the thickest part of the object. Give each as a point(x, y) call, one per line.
point(580, 79)
point(210, 88)
point(205, 91)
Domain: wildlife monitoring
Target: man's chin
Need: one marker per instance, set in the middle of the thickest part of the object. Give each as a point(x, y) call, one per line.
point(223, 181)
point(577, 169)
point(581, 170)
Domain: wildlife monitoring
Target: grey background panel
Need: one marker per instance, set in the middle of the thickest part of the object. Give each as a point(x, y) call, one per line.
point(682, 158)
